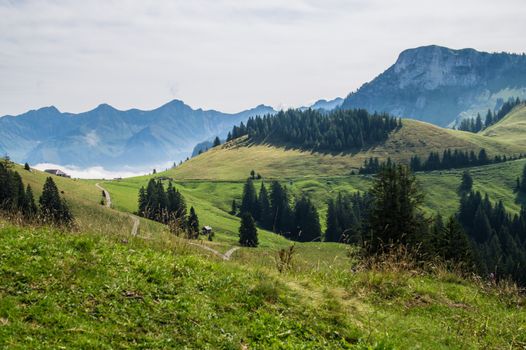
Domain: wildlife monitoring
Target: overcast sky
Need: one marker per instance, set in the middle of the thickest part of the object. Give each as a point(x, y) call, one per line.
point(225, 54)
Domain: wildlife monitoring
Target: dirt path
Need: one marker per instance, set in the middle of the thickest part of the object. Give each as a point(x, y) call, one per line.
point(225, 256)
point(136, 221)
point(106, 195)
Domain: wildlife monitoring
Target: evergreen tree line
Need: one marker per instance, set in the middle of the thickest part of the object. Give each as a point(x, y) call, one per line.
point(273, 210)
point(168, 207)
point(450, 159)
point(456, 159)
point(15, 198)
point(338, 130)
point(498, 238)
point(476, 124)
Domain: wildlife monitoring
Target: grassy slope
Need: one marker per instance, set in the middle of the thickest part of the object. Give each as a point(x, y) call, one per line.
point(212, 199)
point(84, 199)
point(510, 129)
point(91, 291)
point(234, 161)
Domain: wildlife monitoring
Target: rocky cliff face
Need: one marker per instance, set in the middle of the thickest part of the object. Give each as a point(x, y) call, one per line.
point(441, 85)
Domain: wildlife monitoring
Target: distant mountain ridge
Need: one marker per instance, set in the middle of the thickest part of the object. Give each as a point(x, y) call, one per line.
point(441, 85)
point(112, 138)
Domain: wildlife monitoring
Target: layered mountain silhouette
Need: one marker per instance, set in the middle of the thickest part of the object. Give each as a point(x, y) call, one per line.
point(111, 138)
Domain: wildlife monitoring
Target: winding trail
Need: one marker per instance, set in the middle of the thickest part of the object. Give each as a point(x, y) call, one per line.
point(106, 195)
point(136, 221)
point(225, 256)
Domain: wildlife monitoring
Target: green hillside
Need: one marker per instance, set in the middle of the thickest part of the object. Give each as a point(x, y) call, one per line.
point(511, 129)
point(234, 160)
point(84, 199)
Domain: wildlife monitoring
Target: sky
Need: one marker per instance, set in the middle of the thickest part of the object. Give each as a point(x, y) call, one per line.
point(227, 55)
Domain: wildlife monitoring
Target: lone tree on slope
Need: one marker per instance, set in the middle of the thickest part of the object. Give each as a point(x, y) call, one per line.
point(248, 234)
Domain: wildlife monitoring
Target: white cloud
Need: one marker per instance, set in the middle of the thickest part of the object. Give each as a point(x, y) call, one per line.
point(96, 172)
point(225, 54)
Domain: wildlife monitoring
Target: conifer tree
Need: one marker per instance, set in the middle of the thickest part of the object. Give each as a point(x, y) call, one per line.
point(282, 220)
point(248, 234)
point(332, 233)
point(249, 199)
point(455, 246)
point(394, 216)
point(30, 209)
point(217, 142)
point(467, 182)
point(478, 123)
point(193, 224)
point(265, 211)
point(307, 223)
point(143, 203)
point(233, 207)
point(53, 208)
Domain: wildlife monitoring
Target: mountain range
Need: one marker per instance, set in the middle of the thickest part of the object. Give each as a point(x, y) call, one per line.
point(111, 138)
point(431, 83)
point(441, 85)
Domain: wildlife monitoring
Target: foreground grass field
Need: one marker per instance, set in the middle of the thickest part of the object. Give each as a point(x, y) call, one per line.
point(77, 290)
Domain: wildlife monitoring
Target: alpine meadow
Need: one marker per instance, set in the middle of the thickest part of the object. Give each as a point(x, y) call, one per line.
point(391, 217)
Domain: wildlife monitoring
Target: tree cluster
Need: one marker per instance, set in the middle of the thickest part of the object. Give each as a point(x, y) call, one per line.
point(272, 210)
point(168, 207)
point(338, 130)
point(450, 159)
point(453, 160)
point(498, 238)
point(389, 216)
point(476, 124)
point(15, 198)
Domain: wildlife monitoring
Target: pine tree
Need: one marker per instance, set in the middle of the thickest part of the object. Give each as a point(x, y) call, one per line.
point(249, 199)
point(265, 211)
point(478, 124)
point(307, 223)
point(455, 245)
point(248, 234)
point(193, 225)
point(53, 208)
point(31, 208)
point(217, 142)
point(481, 227)
point(282, 220)
point(233, 210)
point(467, 182)
point(143, 202)
point(332, 232)
point(394, 216)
